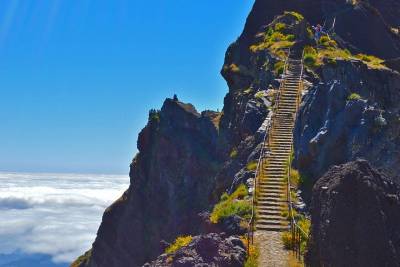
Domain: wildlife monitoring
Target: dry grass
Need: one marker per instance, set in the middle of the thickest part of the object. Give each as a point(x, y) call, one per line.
point(252, 258)
point(180, 242)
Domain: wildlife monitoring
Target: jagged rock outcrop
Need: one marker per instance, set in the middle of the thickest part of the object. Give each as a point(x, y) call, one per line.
point(334, 128)
point(364, 26)
point(355, 218)
point(214, 250)
point(172, 179)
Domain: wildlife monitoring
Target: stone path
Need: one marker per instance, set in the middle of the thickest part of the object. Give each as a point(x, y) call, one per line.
point(272, 252)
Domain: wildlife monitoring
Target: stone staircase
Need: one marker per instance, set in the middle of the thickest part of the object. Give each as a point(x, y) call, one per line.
point(272, 184)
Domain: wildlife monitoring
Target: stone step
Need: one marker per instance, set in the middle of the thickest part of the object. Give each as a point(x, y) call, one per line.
point(275, 208)
point(265, 200)
point(273, 228)
point(272, 205)
point(272, 222)
point(266, 192)
point(270, 212)
point(273, 170)
point(273, 217)
point(271, 188)
point(273, 183)
point(276, 177)
point(281, 164)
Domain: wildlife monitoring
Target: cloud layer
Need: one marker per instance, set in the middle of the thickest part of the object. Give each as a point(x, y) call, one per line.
point(54, 214)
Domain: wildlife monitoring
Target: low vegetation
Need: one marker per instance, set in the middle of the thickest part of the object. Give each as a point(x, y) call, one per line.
point(234, 68)
point(353, 96)
point(276, 38)
point(179, 242)
point(84, 259)
point(298, 16)
point(234, 204)
point(233, 153)
point(310, 56)
point(154, 115)
point(289, 240)
point(279, 67)
point(328, 51)
point(252, 165)
point(252, 257)
point(296, 180)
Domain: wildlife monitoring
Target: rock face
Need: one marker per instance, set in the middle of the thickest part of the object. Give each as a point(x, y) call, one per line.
point(207, 250)
point(332, 128)
point(355, 218)
point(172, 179)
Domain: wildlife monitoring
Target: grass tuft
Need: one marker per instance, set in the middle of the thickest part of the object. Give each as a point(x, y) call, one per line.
point(252, 165)
point(233, 204)
point(298, 16)
point(279, 67)
point(180, 242)
point(304, 224)
point(252, 258)
point(354, 96)
point(233, 153)
point(280, 27)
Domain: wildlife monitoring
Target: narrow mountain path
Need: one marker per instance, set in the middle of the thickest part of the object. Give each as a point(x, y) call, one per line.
point(272, 180)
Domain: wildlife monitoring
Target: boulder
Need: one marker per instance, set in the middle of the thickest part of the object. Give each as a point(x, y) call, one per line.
point(213, 250)
point(355, 215)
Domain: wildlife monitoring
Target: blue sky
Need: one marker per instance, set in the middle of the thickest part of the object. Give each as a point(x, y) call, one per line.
point(77, 77)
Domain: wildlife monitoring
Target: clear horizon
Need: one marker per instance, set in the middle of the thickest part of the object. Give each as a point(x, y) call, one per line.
point(79, 77)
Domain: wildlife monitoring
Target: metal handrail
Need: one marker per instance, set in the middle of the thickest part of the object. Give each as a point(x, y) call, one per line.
point(268, 132)
point(296, 231)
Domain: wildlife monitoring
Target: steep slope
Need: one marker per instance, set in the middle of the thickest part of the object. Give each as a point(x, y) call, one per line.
point(171, 181)
point(345, 128)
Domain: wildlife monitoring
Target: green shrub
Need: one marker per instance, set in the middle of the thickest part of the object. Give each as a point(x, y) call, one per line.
point(252, 165)
point(298, 16)
point(287, 237)
point(353, 96)
point(327, 42)
point(280, 27)
point(233, 153)
point(233, 204)
point(290, 37)
point(310, 60)
point(277, 36)
point(259, 94)
point(224, 196)
point(294, 178)
point(371, 61)
point(154, 115)
point(279, 67)
point(310, 56)
point(228, 208)
point(180, 242)
point(240, 192)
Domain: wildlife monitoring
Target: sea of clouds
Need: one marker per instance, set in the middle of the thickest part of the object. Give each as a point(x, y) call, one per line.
point(54, 214)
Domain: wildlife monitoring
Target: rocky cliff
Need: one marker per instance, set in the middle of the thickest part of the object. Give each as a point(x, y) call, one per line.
point(333, 127)
point(356, 215)
point(171, 181)
point(187, 159)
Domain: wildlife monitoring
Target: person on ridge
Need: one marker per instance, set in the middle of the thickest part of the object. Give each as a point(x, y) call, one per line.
point(318, 32)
